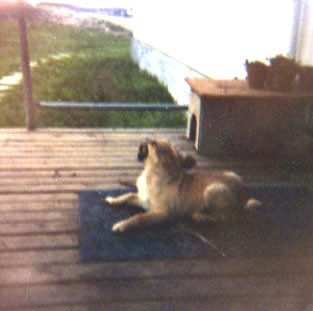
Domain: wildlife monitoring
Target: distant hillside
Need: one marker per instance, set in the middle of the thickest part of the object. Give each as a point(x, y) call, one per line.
point(114, 11)
point(9, 11)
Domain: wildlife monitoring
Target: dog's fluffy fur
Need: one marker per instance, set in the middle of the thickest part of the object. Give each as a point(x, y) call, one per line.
point(169, 189)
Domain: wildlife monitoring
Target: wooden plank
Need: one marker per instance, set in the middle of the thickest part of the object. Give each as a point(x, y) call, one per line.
point(82, 143)
point(58, 132)
point(87, 130)
point(59, 180)
point(81, 136)
point(78, 154)
point(38, 257)
point(238, 89)
point(95, 163)
point(40, 241)
point(75, 147)
point(39, 227)
point(69, 163)
point(88, 180)
point(210, 304)
point(91, 133)
point(82, 164)
point(114, 139)
point(60, 187)
point(24, 207)
point(29, 177)
point(10, 218)
point(56, 188)
point(258, 288)
point(66, 162)
point(64, 187)
point(75, 139)
point(61, 154)
point(66, 174)
point(23, 159)
point(35, 197)
point(98, 144)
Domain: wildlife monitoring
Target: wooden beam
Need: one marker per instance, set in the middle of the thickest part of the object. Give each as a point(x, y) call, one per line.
point(28, 93)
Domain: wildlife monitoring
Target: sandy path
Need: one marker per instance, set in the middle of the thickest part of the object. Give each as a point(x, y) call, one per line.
point(15, 78)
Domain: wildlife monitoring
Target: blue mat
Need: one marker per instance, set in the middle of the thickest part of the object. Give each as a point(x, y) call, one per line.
point(283, 225)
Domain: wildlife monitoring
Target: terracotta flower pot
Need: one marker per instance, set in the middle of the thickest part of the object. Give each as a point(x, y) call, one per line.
point(280, 79)
point(281, 74)
point(257, 72)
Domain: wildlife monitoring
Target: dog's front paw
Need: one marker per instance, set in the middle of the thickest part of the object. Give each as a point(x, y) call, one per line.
point(120, 226)
point(110, 200)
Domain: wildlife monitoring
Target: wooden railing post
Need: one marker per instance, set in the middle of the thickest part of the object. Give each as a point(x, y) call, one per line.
point(28, 93)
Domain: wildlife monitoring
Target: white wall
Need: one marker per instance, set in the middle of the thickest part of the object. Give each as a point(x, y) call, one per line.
point(303, 49)
point(215, 37)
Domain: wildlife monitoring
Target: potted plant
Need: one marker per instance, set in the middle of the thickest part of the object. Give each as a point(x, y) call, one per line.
point(257, 72)
point(282, 73)
point(306, 78)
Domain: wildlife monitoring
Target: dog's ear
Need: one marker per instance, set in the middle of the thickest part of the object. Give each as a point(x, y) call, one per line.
point(188, 162)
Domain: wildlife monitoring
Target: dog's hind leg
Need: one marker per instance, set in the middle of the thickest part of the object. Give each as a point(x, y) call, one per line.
point(218, 199)
point(218, 195)
point(140, 220)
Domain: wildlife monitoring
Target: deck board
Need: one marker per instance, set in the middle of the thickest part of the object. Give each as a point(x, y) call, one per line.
point(41, 174)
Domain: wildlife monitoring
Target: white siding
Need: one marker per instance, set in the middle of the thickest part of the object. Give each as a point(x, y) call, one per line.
point(303, 49)
point(169, 71)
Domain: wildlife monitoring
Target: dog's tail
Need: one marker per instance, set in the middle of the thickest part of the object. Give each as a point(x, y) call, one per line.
point(252, 204)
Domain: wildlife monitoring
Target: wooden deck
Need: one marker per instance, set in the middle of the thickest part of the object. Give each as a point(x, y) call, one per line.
point(41, 174)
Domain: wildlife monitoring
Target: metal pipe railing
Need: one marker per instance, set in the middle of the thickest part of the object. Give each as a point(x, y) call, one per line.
point(113, 106)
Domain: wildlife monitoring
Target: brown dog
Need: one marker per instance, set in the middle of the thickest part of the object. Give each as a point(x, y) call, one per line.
point(167, 189)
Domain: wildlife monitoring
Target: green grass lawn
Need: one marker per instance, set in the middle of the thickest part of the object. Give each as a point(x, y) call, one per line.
point(99, 70)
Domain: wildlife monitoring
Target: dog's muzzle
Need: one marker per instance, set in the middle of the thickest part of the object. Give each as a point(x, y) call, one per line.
point(143, 152)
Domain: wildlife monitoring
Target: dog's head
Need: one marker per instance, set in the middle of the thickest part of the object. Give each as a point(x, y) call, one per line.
point(162, 153)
